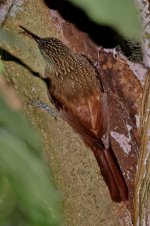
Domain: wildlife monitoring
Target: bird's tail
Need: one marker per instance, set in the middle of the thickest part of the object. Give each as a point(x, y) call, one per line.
point(112, 174)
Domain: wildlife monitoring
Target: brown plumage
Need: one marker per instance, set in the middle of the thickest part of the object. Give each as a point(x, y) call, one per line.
point(79, 97)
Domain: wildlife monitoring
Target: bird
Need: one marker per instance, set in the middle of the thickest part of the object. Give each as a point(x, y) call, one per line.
point(77, 92)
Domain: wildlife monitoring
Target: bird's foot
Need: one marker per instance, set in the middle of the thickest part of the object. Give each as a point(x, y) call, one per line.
point(46, 107)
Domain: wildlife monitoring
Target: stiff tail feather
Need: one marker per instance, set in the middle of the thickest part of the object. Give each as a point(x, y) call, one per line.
point(112, 174)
